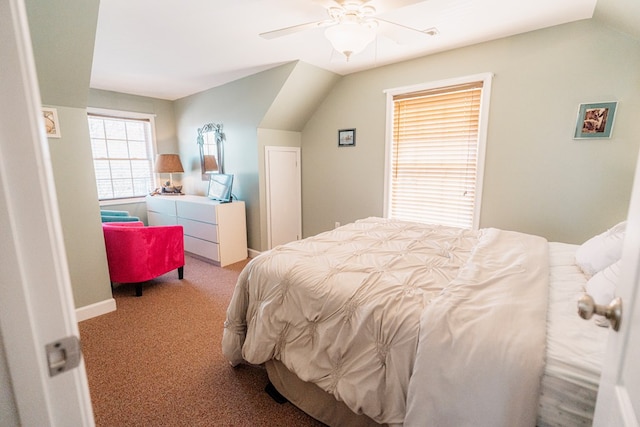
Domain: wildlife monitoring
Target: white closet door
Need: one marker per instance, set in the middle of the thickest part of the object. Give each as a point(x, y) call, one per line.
point(284, 195)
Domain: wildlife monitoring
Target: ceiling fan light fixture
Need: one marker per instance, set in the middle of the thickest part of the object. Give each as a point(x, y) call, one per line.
point(350, 38)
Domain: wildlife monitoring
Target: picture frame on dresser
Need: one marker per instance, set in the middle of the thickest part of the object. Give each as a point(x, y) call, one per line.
point(220, 186)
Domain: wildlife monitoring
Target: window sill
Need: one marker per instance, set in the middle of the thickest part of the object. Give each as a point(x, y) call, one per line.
point(122, 201)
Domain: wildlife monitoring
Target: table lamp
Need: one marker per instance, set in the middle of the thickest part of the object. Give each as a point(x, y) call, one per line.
point(169, 163)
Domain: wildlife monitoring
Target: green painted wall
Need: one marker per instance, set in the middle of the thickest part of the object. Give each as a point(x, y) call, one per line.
point(240, 106)
point(74, 177)
point(280, 99)
point(538, 179)
point(305, 88)
point(63, 34)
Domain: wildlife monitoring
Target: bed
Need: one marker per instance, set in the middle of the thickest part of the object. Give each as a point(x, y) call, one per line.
point(399, 323)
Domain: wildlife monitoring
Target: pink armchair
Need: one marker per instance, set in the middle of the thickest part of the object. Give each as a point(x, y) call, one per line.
point(136, 253)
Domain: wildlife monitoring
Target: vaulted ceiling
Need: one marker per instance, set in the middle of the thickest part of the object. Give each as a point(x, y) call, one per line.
point(168, 49)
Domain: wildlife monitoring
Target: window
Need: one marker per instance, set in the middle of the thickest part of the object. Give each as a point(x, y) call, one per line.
point(435, 151)
point(123, 151)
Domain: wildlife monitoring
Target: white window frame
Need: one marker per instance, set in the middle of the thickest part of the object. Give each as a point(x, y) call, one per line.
point(127, 115)
point(486, 78)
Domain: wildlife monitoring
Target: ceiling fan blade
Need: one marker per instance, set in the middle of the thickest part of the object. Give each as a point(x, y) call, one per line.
point(432, 31)
point(403, 34)
point(335, 3)
point(294, 29)
point(381, 6)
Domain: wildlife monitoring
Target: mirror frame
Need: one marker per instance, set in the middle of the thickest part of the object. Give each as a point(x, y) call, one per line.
point(220, 137)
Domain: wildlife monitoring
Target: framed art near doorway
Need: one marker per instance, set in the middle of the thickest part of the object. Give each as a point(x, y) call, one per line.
point(51, 123)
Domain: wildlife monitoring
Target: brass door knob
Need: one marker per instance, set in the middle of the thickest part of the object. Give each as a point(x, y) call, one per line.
point(613, 312)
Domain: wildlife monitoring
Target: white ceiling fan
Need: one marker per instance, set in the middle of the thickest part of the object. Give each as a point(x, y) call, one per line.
point(352, 24)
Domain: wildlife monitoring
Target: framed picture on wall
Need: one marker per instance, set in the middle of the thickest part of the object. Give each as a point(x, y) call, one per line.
point(595, 120)
point(51, 124)
point(346, 137)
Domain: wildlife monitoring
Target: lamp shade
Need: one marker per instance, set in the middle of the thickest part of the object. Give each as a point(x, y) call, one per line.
point(350, 37)
point(168, 163)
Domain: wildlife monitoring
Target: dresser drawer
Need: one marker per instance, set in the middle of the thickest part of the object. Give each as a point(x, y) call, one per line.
point(203, 248)
point(155, 218)
point(204, 212)
point(213, 231)
point(201, 230)
point(161, 205)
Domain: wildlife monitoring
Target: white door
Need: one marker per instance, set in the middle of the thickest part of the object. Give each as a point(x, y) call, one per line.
point(284, 195)
point(619, 393)
point(36, 303)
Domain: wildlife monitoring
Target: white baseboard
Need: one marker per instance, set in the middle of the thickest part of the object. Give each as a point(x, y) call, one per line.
point(96, 309)
point(253, 253)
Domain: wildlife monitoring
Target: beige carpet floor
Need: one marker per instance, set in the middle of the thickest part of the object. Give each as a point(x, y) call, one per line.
point(157, 360)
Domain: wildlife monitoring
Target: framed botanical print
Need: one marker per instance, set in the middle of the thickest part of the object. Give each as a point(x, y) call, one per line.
point(51, 124)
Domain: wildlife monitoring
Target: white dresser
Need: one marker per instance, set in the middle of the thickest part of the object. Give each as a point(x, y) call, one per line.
point(212, 230)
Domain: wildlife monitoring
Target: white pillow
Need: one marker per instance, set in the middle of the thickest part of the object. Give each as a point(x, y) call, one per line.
point(602, 286)
point(601, 251)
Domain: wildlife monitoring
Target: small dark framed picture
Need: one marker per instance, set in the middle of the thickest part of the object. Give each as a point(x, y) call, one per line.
point(346, 137)
point(595, 120)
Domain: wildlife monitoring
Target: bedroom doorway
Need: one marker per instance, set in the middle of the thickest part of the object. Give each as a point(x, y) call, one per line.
point(283, 195)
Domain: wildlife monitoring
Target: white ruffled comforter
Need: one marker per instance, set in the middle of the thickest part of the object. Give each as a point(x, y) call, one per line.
point(352, 308)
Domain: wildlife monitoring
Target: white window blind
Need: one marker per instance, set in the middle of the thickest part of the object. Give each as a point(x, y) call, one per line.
point(434, 155)
point(122, 156)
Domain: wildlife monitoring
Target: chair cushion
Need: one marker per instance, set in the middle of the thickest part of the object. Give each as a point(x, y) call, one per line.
point(107, 218)
point(108, 212)
point(116, 216)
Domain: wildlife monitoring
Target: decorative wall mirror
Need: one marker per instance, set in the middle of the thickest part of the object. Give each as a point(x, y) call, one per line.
point(211, 144)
